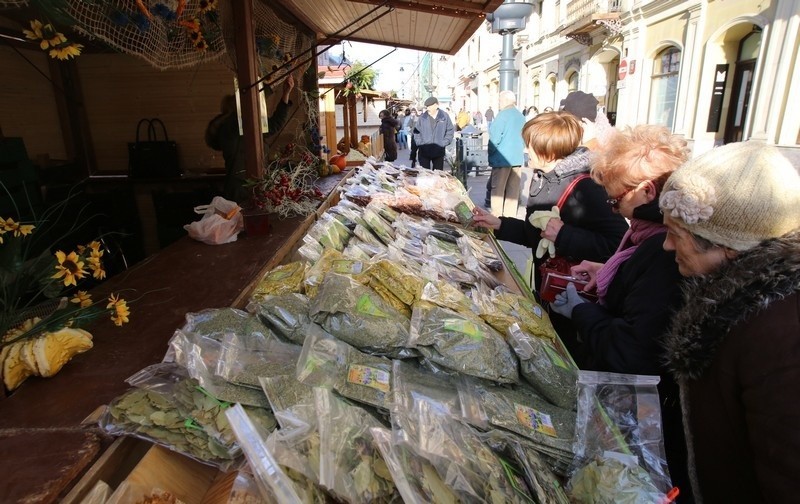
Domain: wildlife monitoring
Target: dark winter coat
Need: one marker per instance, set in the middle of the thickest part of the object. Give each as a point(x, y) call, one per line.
point(388, 128)
point(591, 231)
point(734, 349)
point(626, 334)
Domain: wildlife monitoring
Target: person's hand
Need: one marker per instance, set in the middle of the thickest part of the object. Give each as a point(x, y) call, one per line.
point(587, 270)
point(566, 301)
point(482, 218)
point(288, 85)
point(550, 231)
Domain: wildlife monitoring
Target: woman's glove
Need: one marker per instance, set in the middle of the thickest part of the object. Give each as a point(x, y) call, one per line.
point(539, 219)
point(566, 301)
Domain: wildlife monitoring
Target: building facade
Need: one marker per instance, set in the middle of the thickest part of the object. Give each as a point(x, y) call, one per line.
point(714, 71)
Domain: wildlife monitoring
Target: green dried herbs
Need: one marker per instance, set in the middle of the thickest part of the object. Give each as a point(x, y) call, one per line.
point(357, 315)
point(281, 280)
point(462, 343)
point(285, 315)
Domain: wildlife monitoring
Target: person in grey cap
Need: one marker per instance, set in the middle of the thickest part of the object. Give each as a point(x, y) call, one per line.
point(433, 132)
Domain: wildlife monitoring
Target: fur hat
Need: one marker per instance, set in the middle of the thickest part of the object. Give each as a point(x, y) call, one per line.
point(581, 105)
point(735, 196)
point(431, 101)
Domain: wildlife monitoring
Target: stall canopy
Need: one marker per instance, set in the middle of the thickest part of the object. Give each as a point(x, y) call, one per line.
point(428, 25)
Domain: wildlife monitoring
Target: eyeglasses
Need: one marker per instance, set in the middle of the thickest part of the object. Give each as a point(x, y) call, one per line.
point(615, 201)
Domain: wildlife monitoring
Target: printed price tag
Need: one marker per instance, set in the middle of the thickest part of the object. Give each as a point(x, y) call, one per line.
point(369, 377)
point(535, 420)
point(464, 327)
point(367, 306)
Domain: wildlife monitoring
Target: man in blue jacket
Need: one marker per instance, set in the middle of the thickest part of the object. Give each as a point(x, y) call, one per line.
point(434, 131)
point(506, 150)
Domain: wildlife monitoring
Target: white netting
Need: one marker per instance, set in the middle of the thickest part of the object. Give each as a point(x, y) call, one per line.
point(179, 33)
point(9, 4)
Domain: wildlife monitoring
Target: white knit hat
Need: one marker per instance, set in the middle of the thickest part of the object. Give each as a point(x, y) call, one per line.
point(735, 196)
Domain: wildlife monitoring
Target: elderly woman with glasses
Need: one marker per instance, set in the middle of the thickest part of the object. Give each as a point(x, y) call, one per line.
point(639, 286)
point(733, 220)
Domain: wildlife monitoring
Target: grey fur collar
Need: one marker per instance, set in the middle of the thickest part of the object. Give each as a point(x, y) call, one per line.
point(738, 290)
point(577, 162)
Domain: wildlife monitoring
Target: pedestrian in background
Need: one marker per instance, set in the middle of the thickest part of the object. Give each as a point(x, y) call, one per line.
point(433, 133)
point(489, 116)
point(388, 128)
point(506, 149)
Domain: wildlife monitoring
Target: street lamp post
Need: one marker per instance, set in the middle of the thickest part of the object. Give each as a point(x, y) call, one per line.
point(509, 18)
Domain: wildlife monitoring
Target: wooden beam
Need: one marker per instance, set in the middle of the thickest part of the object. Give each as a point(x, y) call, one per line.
point(329, 112)
point(457, 9)
point(75, 125)
point(247, 74)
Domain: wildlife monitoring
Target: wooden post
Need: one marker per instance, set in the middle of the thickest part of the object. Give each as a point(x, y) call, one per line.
point(330, 122)
point(247, 74)
point(75, 125)
point(353, 131)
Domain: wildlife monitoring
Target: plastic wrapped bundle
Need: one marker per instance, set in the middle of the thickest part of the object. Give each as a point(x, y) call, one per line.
point(286, 315)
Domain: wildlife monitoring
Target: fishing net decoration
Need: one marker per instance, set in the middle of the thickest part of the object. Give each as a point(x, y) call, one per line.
point(177, 33)
point(10, 4)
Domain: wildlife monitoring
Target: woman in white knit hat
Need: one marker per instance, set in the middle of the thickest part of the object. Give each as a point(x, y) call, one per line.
point(733, 219)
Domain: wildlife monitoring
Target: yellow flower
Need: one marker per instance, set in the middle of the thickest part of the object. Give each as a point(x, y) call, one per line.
point(82, 297)
point(207, 6)
point(53, 40)
point(70, 267)
point(95, 246)
point(121, 311)
point(276, 39)
point(97, 268)
point(18, 229)
point(24, 229)
point(66, 52)
point(35, 33)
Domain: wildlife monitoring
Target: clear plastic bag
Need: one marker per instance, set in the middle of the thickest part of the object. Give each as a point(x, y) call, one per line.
point(285, 315)
point(245, 367)
point(200, 356)
point(333, 260)
point(619, 448)
point(245, 490)
point(215, 323)
point(280, 280)
point(272, 481)
point(449, 296)
point(357, 315)
point(350, 465)
point(330, 363)
point(520, 410)
point(462, 343)
point(330, 232)
point(416, 479)
point(166, 407)
point(551, 374)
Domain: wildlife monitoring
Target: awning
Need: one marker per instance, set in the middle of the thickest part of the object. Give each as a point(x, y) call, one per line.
point(441, 26)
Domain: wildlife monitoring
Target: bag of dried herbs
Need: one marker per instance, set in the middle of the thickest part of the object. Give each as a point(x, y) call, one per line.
point(542, 366)
point(416, 479)
point(465, 461)
point(501, 309)
point(462, 343)
point(215, 323)
point(619, 446)
point(285, 315)
point(542, 481)
point(280, 280)
point(412, 385)
point(273, 482)
point(350, 465)
point(357, 315)
point(200, 356)
point(382, 229)
point(332, 260)
point(330, 363)
point(285, 393)
point(167, 407)
point(242, 367)
point(519, 409)
point(447, 295)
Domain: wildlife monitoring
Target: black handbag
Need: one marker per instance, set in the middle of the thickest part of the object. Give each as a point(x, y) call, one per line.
point(153, 158)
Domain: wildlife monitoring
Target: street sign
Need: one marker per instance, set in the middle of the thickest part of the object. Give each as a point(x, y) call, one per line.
point(623, 69)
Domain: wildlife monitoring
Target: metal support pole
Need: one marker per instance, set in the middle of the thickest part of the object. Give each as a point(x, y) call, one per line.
point(507, 68)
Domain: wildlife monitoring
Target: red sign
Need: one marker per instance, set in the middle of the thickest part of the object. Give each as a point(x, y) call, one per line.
point(623, 69)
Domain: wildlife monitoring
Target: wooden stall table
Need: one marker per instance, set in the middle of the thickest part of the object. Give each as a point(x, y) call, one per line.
point(43, 447)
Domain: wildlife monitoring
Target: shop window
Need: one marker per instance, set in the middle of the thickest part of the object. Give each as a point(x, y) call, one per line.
point(664, 87)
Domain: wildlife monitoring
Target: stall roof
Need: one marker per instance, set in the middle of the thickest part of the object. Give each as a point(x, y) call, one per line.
point(428, 25)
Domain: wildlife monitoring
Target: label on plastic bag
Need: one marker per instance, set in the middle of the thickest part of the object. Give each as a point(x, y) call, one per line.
point(465, 327)
point(369, 377)
point(367, 306)
point(347, 266)
point(554, 357)
point(535, 420)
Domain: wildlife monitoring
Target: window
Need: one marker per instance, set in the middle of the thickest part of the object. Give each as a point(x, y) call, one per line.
point(572, 82)
point(536, 94)
point(664, 87)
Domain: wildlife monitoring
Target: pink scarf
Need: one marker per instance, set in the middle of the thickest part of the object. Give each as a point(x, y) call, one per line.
point(639, 231)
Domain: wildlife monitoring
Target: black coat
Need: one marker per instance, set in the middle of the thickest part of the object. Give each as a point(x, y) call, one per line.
point(626, 335)
point(388, 128)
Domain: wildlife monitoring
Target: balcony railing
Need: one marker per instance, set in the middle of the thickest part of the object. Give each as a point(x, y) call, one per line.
point(578, 9)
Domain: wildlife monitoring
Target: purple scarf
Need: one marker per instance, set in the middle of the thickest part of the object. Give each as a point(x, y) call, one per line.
point(639, 231)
